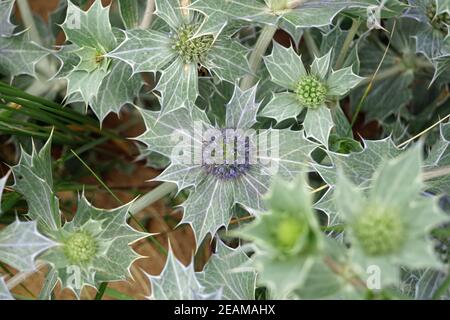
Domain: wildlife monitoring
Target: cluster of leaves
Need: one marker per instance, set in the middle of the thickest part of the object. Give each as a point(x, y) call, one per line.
point(377, 231)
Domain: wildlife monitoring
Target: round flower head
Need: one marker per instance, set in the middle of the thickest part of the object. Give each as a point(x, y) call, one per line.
point(80, 247)
point(439, 22)
point(379, 231)
point(311, 92)
point(190, 48)
point(288, 231)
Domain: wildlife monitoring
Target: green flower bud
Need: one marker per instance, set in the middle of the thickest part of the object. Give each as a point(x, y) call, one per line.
point(379, 231)
point(80, 248)
point(288, 232)
point(311, 92)
point(192, 49)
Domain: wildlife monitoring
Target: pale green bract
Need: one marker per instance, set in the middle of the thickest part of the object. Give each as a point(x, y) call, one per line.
point(92, 78)
point(178, 53)
point(311, 90)
point(218, 281)
point(209, 205)
point(388, 229)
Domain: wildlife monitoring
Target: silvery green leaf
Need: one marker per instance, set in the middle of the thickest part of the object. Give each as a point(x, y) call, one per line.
point(165, 132)
point(219, 13)
point(176, 281)
point(33, 179)
point(4, 291)
point(208, 208)
point(118, 88)
point(169, 11)
point(318, 124)
point(432, 43)
point(242, 108)
point(439, 157)
point(18, 55)
point(6, 27)
point(21, 243)
point(285, 66)
point(91, 28)
point(86, 84)
point(321, 65)
point(112, 238)
point(178, 86)
point(340, 82)
point(282, 106)
point(315, 13)
point(227, 60)
point(220, 272)
point(145, 50)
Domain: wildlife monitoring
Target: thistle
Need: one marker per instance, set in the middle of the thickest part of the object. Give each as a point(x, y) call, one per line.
point(311, 90)
point(222, 172)
point(386, 229)
point(178, 53)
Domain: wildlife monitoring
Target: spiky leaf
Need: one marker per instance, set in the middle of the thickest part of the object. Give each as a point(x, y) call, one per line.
point(21, 243)
point(33, 179)
point(221, 272)
point(176, 281)
point(18, 55)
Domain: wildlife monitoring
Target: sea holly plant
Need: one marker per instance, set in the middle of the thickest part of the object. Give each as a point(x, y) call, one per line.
point(225, 165)
point(387, 231)
point(90, 249)
point(315, 90)
point(295, 149)
point(179, 51)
